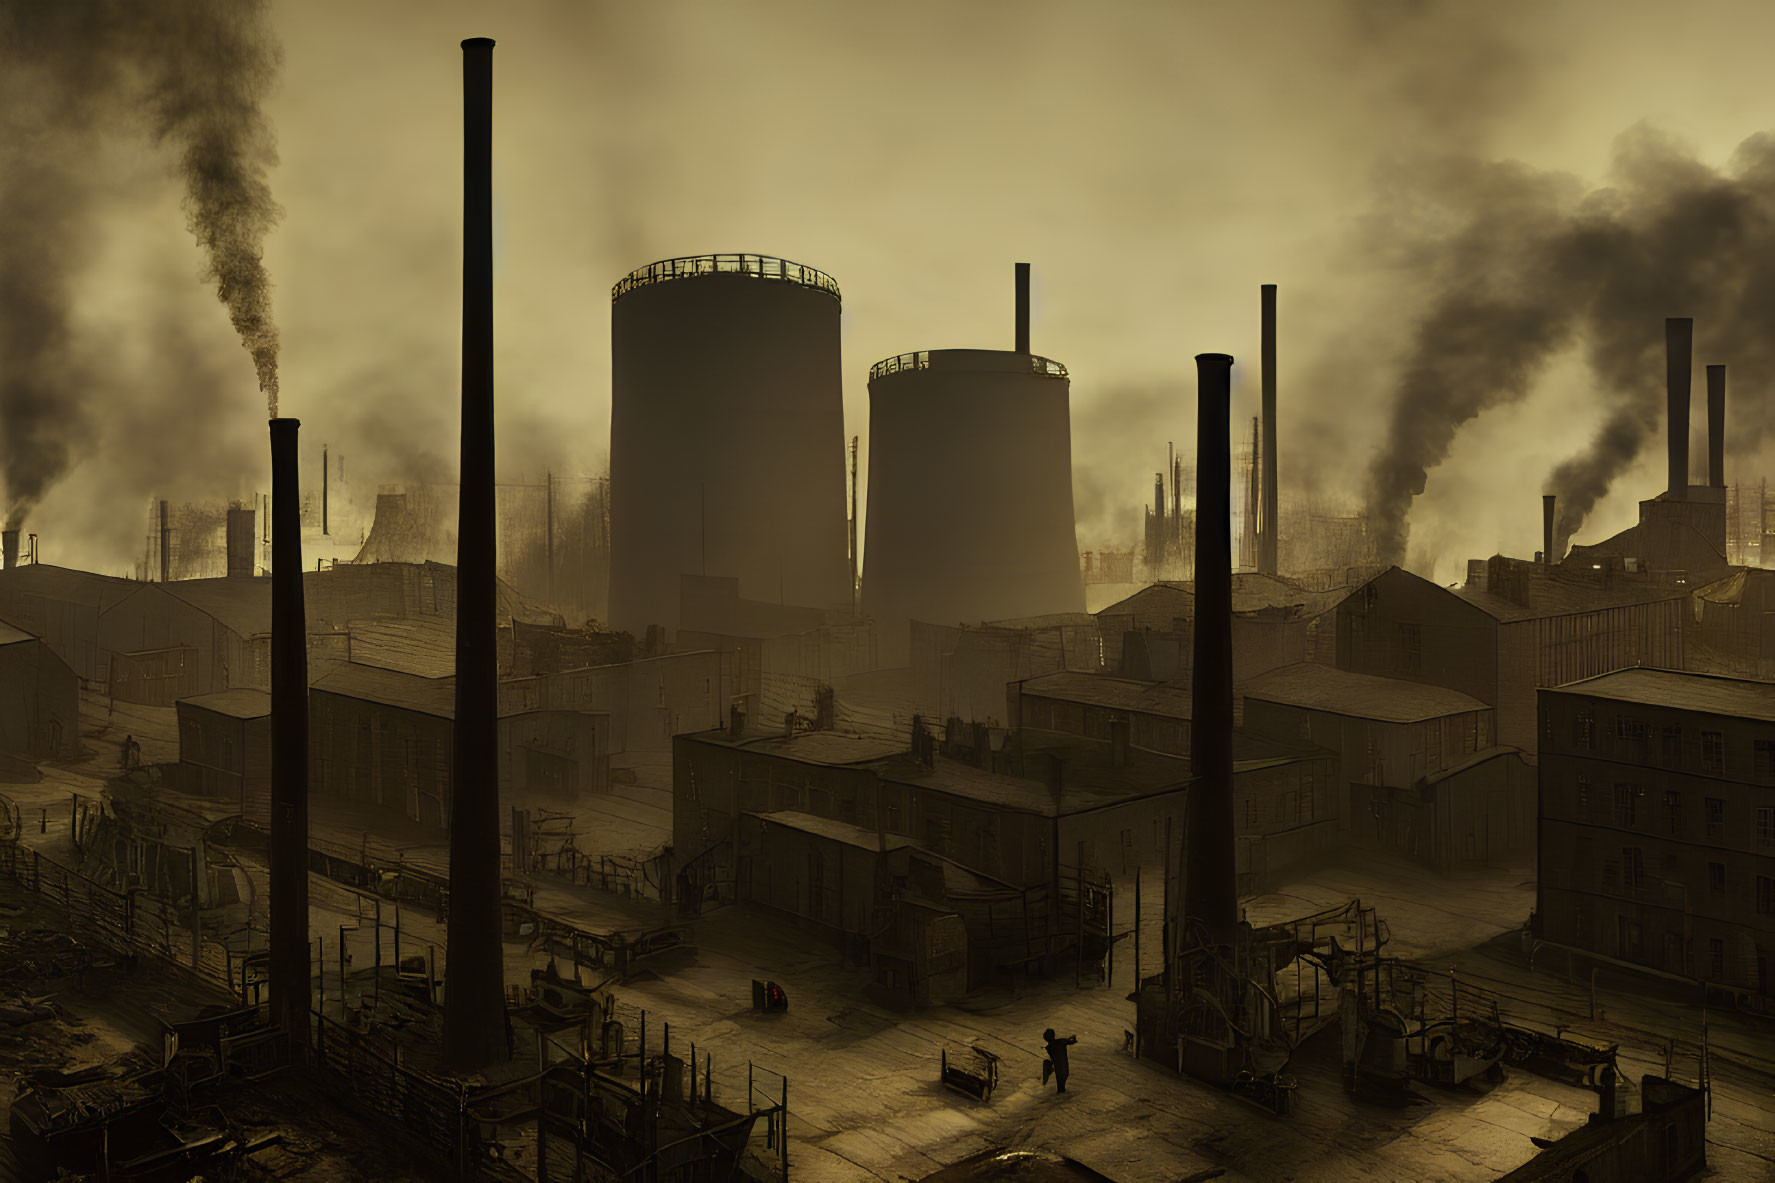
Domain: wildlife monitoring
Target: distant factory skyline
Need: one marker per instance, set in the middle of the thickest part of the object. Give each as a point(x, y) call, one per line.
point(1155, 165)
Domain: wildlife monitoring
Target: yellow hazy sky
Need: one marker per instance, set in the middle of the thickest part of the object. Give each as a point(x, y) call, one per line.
point(1156, 162)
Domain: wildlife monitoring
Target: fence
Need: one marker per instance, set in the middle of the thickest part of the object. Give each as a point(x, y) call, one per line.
point(130, 920)
point(433, 1111)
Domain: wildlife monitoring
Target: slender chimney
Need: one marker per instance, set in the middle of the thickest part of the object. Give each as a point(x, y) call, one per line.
point(8, 549)
point(1547, 557)
point(290, 950)
point(166, 565)
point(1159, 496)
point(1210, 896)
point(1716, 426)
point(1679, 343)
point(325, 466)
point(1023, 308)
point(1266, 542)
point(240, 542)
point(474, 978)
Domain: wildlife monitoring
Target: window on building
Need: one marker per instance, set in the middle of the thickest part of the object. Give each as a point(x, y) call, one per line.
point(1411, 648)
point(1765, 759)
point(1633, 867)
point(1673, 747)
point(1765, 826)
point(1713, 753)
point(1716, 959)
point(1716, 878)
point(1716, 816)
point(1250, 815)
point(1583, 796)
point(1584, 733)
point(1630, 729)
point(1626, 805)
point(1306, 726)
point(1765, 895)
point(1673, 811)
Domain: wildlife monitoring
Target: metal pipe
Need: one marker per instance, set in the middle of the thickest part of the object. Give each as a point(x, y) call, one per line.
point(1023, 308)
point(290, 990)
point(165, 558)
point(1210, 888)
point(1266, 544)
point(1716, 426)
point(325, 465)
point(1679, 344)
point(474, 998)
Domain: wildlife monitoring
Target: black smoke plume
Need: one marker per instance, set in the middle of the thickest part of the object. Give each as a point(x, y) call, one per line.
point(189, 74)
point(1530, 266)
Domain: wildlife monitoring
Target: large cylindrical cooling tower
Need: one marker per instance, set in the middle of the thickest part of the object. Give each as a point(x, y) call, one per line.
point(726, 435)
point(970, 492)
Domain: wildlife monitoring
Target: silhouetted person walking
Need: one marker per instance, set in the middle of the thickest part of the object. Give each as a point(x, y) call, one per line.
point(1055, 1064)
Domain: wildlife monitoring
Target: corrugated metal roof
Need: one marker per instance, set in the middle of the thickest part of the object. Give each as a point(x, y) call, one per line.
point(241, 605)
point(67, 585)
point(1551, 596)
point(1360, 696)
point(1160, 603)
point(815, 747)
point(1120, 694)
point(1735, 698)
point(410, 692)
point(424, 645)
point(12, 636)
point(1482, 756)
point(244, 703)
point(837, 831)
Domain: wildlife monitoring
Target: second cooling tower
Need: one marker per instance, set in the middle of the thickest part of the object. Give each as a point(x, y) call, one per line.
point(970, 492)
point(726, 435)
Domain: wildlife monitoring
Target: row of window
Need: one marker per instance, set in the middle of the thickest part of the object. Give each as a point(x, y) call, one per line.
point(1709, 759)
point(1631, 875)
point(1627, 809)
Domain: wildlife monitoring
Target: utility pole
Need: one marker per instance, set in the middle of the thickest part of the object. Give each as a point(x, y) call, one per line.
point(549, 531)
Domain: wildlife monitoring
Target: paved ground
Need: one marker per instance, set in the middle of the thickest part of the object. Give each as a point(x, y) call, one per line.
point(863, 1092)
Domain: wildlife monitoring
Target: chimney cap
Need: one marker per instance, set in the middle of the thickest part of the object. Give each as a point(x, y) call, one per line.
point(1209, 358)
point(478, 43)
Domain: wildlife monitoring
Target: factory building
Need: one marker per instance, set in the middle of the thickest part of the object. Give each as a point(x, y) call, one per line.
point(963, 670)
point(381, 738)
point(1276, 622)
point(970, 489)
point(1732, 634)
point(647, 701)
point(225, 749)
point(1657, 839)
point(39, 699)
point(726, 435)
point(1425, 775)
point(62, 607)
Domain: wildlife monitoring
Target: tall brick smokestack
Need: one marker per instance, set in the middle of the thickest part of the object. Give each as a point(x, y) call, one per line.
point(1023, 308)
point(8, 549)
point(1679, 347)
point(1210, 893)
point(1716, 426)
point(240, 543)
point(289, 746)
point(1266, 542)
point(474, 978)
point(1547, 556)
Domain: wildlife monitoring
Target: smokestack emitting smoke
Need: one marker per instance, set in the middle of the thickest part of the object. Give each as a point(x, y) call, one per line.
point(1547, 556)
point(1023, 308)
point(8, 549)
point(195, 72)
point(1210, 893)
point(290, 986)
point(1679, 354)
point(1266, 542)
point(1536, 264)
point(474, 974)
point(1716, 426)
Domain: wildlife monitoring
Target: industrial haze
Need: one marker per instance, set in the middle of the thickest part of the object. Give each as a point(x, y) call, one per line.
point(1155, 162)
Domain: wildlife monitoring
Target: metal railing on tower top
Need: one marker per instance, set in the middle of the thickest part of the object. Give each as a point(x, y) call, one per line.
point(756, 266)
point(922, 361)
